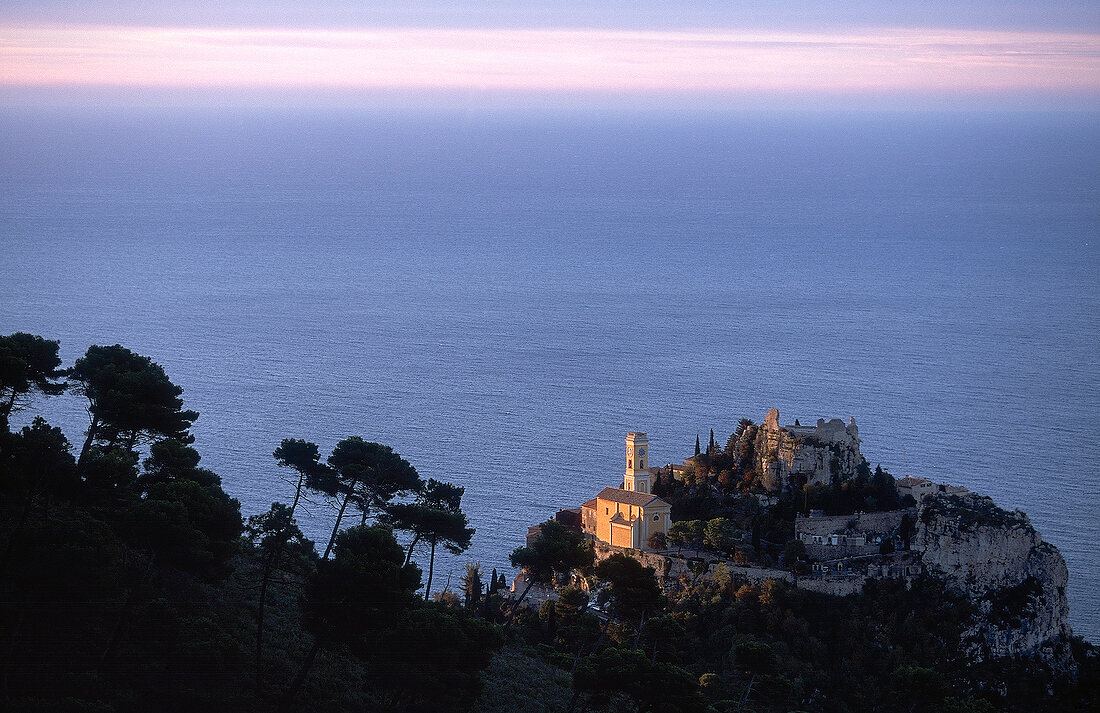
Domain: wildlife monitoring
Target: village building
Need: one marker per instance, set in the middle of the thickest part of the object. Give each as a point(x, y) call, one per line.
point(921, 488)
point(628, 516)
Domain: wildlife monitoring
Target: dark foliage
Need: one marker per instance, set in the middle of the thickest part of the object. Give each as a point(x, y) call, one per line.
point(28, 364)
point(126, 589)
point(130, 399)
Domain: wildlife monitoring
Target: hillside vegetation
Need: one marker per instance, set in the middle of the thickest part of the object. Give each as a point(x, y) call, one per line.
point(130, 582)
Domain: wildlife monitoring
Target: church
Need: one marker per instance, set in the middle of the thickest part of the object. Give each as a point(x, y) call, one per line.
point(628, 516)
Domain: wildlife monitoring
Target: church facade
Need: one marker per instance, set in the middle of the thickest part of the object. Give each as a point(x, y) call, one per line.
point(628, 516)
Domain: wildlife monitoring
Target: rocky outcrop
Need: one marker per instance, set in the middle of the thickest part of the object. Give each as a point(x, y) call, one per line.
point(1015, 582)
point(825, 453)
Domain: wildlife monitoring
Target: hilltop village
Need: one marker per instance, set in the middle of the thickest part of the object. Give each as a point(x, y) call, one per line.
point(837, 551)
point(131, 581)
point(800, 505)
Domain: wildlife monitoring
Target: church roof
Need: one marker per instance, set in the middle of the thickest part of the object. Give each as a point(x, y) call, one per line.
point(618, 519)
point(590, 504)
point(629, 497)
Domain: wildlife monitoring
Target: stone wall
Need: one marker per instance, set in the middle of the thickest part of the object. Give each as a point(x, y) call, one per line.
point(871, 523)
point(832, 552)
point(834, 586)
point(670, 568)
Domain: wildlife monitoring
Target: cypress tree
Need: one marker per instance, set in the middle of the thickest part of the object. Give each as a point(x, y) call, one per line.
point(697, 451)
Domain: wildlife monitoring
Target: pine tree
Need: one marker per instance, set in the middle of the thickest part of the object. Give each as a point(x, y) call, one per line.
point(471, 585)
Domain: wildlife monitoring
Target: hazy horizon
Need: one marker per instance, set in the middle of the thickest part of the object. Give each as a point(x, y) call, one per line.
point(808, 55)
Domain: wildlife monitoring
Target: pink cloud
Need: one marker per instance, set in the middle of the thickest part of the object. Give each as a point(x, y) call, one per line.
point(550, 60)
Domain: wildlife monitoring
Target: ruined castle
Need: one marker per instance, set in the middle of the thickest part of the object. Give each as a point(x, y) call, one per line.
point(793, 455)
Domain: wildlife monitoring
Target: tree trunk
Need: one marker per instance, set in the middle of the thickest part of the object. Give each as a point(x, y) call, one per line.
point(595, 646)
point(270, 564)
point(577, 659)
point(603, 633)
point(93, 430)
point(431, 571)
point(515, 607)
point(745, 698)
point(339, 517)
point(638, 635)
point(409, 554)
point(5, 411)
point(288, 698)
point(260, 637)
point(298, 492)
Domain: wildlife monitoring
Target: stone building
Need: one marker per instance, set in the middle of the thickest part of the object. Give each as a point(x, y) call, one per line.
point(835, 536)
point(921, 488)
point(630, 515)
point(825, 453)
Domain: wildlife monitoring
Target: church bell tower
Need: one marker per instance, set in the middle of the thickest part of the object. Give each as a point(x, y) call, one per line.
point(637, 463)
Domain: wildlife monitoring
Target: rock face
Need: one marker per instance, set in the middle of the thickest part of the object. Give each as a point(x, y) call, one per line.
point(821, 454)
point(1015, 581)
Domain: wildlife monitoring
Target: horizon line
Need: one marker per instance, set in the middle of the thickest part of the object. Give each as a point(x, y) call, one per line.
point(553, 61)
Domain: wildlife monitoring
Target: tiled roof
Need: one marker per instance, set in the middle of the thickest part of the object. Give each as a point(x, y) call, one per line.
point(618, 519)
point(590, 504)
point(629, 497)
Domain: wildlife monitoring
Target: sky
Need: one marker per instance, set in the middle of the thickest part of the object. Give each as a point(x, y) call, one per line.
point(722, 54)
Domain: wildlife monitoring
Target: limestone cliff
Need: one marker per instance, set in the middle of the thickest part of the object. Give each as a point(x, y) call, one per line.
point(825, 453)
point(1015, 581)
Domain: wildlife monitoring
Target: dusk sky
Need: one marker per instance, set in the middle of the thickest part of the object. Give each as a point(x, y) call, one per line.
point(880, 54)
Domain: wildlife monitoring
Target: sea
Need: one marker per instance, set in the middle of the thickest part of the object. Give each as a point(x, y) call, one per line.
point(501, 295)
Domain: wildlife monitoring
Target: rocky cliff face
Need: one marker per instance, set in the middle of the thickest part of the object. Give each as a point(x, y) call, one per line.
point(821, 454)
point(1015, 581)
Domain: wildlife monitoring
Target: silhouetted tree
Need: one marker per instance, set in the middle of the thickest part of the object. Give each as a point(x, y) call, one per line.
point(632, 588)
point(35, 465)
point(429, 659)
point(754, 658)
point(371, 474)
point(273, 533)
point(305, 459)
point(471, 585)
point(28, 363)
point(436, 518)
point(557, 550)
point(129, 398)
point(659, 687)
point(360, 591)
point(179, 517)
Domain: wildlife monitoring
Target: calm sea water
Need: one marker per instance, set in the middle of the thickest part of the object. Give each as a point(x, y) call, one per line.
point(502, 297)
